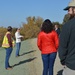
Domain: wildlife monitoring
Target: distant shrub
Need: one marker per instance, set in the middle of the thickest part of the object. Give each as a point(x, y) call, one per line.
point(2, 33)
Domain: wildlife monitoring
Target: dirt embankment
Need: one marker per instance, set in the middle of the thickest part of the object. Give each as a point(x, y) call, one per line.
point(29, 63)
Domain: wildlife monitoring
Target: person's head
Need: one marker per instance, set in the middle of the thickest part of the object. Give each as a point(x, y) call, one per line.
point(18, 29)
point(9, 29)
point(71, 9)
point(47, 26)
point(71, 12)
point(56, 26)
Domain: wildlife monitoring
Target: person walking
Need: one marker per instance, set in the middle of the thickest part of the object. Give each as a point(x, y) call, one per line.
point(48, 43)
point(18, 41)
point(66, 48)
point(8, 44)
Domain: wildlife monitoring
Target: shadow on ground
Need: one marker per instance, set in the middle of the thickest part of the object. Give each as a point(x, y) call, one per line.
point(25, 61)
point(27, 52)
point(59, 72)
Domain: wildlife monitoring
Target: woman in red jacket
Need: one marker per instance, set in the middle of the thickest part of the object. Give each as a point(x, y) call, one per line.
point(48, 42)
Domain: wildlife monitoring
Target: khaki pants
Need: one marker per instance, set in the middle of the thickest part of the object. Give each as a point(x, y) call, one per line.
point(67, 71)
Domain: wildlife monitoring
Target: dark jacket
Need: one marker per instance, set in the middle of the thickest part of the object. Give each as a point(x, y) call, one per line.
point(66, 48)
point(58, 31)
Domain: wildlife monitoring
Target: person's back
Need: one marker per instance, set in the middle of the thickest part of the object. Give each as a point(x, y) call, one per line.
point(49, 42)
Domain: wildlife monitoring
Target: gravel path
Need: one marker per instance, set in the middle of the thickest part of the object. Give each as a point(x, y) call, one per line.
point(29, 63)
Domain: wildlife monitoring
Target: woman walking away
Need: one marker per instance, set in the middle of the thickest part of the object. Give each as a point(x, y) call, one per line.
point(48, 42)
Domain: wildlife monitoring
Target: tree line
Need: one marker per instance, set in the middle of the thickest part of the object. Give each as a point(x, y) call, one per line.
point(30, 29)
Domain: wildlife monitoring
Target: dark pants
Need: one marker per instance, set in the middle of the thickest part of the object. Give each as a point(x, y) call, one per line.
point(18, 45)
point(48, 63)
point(8, 53)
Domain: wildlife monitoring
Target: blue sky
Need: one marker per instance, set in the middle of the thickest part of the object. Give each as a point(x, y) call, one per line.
point(15, 12)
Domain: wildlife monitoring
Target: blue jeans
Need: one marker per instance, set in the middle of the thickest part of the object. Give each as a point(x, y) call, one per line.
point(18, 45)
point(8, 54)
point(48, 63)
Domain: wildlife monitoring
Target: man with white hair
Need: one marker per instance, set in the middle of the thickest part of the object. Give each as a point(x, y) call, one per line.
point(66, 48)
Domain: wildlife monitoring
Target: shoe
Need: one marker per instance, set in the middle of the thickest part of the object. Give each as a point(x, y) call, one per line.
point(17, 55)
point(9, 68)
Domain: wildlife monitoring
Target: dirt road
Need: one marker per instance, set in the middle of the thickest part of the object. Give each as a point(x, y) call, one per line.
point(29, 62)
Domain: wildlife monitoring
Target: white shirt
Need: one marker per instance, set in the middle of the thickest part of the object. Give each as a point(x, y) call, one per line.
point(18, 37)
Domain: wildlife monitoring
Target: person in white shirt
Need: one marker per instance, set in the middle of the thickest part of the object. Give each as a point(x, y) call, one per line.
point(18, 41)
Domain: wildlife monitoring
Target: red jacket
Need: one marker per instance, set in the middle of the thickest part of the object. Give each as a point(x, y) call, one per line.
point(48, 42)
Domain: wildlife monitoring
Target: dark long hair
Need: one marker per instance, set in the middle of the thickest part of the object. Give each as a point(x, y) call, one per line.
point(47, 26)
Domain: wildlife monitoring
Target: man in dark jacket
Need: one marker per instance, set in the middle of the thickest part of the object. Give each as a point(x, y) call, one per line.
point(66, 48)
point(57, 29)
